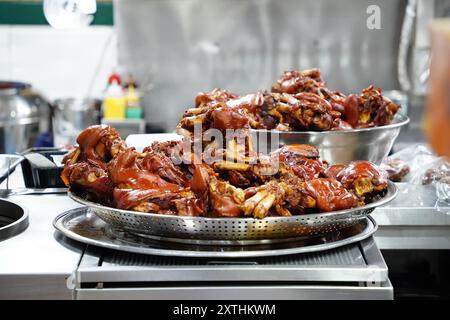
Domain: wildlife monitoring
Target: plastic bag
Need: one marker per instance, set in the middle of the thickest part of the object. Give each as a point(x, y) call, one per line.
point(419, 168)
point(407, 164)
point(438, 174)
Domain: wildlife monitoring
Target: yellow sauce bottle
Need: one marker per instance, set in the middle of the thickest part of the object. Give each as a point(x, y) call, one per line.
point(114, 103)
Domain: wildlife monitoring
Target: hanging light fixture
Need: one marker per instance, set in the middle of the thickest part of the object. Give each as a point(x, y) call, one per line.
point(69, 14)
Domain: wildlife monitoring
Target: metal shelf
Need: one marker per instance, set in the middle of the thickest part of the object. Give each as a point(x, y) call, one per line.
point(356, 271)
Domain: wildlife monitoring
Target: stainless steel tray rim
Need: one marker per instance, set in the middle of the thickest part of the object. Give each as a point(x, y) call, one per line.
point(392, 193)
point(370, 229)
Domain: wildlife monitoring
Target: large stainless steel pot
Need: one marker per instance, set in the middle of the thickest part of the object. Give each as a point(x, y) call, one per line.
point(71, 116)
point(24, 114)
point(371, 144)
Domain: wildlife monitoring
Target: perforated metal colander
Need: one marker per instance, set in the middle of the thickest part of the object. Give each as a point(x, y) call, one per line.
point(232, 230)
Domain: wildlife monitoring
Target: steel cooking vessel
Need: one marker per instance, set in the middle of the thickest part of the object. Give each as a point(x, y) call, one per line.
point(71, 116)
point(24, 114)
point(371, 144)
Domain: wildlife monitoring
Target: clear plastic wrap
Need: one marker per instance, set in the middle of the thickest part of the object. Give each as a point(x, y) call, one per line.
point(422, 172)
point(438, 174)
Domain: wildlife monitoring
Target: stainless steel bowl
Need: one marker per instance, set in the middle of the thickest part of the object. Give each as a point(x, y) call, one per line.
point(371, 144)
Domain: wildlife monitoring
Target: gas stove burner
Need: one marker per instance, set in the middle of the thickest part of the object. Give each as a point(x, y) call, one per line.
point(13, 219)
point(84, 226)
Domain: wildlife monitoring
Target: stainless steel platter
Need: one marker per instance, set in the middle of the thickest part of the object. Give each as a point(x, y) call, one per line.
point(228, 231)
point(371, 144)
point(82, 225)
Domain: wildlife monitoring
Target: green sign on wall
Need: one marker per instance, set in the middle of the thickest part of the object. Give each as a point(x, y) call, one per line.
point(32, 13)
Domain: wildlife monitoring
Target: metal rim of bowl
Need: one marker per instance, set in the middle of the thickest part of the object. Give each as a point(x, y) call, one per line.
point(399, 121)
point(392, 193)
point(17, 226)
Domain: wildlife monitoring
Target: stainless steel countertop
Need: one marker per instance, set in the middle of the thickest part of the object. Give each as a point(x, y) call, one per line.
point(411, 221)
point(35, 250)
point(34, 259)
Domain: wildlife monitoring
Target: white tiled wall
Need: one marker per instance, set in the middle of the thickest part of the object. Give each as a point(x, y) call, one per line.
point(59, 63)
